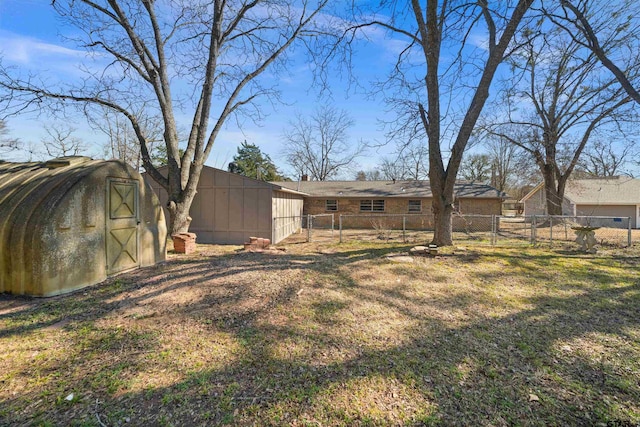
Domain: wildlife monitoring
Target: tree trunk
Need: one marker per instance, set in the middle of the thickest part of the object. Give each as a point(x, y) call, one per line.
point(552, 195)
point(179, 219)
point(443, 220)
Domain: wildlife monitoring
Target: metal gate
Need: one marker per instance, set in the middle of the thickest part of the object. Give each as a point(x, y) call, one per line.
point(319, 227)
point(122, 225)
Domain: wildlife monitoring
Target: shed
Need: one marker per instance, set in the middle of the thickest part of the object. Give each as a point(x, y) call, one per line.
point(229, 208)
point(72, 221)
point(617, 196)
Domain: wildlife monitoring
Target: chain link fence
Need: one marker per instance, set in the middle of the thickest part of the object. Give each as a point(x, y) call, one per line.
point(467, 229)
point(486, 229)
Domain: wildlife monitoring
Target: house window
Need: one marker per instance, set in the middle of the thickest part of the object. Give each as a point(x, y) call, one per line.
point(415, 206)
point(372, 205)
point(331, 205)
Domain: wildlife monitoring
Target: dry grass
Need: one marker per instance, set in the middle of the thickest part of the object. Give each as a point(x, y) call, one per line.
point(334, 335)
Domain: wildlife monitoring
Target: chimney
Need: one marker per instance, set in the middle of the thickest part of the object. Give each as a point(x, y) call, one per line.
point(304, 177)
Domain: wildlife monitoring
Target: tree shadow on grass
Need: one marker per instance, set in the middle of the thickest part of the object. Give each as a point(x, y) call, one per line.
point(295, 360)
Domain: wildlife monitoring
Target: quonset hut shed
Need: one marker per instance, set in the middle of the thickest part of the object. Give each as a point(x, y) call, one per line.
point(72, 221)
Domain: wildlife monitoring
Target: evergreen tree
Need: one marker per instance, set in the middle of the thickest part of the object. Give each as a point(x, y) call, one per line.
point(253, 163)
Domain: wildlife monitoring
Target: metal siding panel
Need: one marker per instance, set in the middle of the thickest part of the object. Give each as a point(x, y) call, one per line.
point(235, 180)
point(264, 210)
point(207, 207)
point(221, 210)
point(221, 237)
point(207, 178)
point(221, 179)
point(205, 236)
point(237, 237)
point(250, 209)
point(196, 212)
point(236, 209)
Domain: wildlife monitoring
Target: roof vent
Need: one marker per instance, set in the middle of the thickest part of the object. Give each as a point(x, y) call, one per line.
point(61, 162)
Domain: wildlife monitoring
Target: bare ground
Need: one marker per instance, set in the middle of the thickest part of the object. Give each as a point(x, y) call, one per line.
point(327, 334)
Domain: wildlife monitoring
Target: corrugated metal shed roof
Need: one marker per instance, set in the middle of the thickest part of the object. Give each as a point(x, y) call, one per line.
point(417, 189)
point(620, 190)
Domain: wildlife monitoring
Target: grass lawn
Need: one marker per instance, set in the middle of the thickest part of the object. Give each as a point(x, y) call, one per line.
point(330, 335)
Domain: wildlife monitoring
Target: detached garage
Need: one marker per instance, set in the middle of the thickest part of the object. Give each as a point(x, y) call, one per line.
point(72, 221)
point(617, 196)
point(229, 208)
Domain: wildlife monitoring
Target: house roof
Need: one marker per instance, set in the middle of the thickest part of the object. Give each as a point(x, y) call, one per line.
point(403, 189)
point(618, 190)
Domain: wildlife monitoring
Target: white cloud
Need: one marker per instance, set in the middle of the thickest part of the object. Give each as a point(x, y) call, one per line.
point(30, 51)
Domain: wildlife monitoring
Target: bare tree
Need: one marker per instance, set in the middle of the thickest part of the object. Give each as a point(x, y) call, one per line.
point(569, 101)
point(369, 175)
point(455, 84)
point(7, 144)
point(122, 142)
point(60, 141)
point(217, 49)
point(409, 162)
point(606, 158)
point(476, 167)
point(511, 167)
point(579, 20)
point(393, 169)
point(319, 146)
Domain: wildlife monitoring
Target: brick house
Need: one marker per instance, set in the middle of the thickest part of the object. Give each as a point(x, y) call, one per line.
point(411, 199)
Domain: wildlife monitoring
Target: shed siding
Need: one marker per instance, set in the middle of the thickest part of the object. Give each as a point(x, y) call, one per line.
point(287, 214)
point(230, 208)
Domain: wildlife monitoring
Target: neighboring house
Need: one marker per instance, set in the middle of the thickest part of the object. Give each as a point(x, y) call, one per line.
point(611, 197)
point(230, 208)
point(410, 198)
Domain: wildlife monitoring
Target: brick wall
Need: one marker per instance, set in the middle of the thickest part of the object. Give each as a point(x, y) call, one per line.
point(398, 206)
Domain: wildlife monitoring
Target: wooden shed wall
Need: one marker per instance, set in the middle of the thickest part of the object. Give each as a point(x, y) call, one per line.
point(228, 208)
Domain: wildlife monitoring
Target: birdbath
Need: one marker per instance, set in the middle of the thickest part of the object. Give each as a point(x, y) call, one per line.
point(586, 237)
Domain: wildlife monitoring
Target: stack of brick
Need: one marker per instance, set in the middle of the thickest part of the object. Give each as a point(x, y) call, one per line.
point(257, 244)
point(184, 243)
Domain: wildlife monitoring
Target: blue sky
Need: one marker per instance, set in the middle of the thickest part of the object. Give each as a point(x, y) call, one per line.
point(30, 40)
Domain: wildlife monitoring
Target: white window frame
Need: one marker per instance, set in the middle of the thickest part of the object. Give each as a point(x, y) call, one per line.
point(372, 205)
point(412, 209)
point(331, 207)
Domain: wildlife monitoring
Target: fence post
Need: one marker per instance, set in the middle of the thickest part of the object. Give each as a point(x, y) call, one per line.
point(404, 229)
point(332, 225)
point(629, 232)
point(551, 231)
point(340, 225)
point(533, 230)
point(493, 230)
point(308, 228)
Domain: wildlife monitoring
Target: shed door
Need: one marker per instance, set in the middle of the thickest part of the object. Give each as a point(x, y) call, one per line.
point(122, 225)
